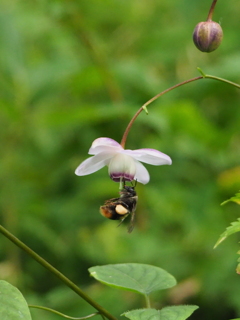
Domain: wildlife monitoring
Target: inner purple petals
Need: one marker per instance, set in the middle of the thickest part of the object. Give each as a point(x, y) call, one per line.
point(119, 176)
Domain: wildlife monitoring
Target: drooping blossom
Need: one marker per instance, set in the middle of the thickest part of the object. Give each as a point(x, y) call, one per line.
point(123, 164)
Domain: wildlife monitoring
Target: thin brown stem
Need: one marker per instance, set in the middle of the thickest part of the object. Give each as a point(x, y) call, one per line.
point(210, 13)
point(170, 89)
point(124, 138)
point(203, 76)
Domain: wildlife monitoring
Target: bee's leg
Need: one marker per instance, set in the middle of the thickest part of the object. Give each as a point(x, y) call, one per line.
point(124, 217)
point(134, 183)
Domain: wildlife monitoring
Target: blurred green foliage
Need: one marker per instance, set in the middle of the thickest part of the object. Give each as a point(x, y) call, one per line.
point(73, 71)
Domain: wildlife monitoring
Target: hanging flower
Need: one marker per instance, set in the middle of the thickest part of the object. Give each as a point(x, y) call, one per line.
point(123, 165)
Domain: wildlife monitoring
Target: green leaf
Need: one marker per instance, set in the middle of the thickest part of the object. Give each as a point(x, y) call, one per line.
point(235, 227)
point(145, 108)
point(13, 306)
point(235, 199)
point(141, 278)
point(167, 313)
point(202, 73)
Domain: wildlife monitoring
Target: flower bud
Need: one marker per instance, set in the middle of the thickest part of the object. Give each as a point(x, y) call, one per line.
point(207, 36)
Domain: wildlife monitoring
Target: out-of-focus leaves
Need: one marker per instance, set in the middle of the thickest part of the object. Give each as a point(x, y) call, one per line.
point(229, 179)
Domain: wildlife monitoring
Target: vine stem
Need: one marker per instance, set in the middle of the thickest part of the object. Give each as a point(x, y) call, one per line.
point(203, 76)
point(208, 76)
point(210, 13)
point(57, 273)
point(124, 138)
point(62, 314)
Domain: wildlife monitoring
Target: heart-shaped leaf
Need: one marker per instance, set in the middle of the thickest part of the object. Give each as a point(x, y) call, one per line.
point(141, 278)
point(167, 313)
point(13, 306)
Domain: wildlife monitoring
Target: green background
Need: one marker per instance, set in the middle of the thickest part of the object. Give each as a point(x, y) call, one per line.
point(73, 71)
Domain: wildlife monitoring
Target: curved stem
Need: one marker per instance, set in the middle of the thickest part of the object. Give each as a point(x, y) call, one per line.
point(210, 13)
point(57, 273)
point(62, 314)
point(203, 76)
point(208, 76)
point(124, 138)
point(170, 89)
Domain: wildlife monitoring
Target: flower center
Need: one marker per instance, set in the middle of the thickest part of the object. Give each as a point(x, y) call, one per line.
point(122, 167)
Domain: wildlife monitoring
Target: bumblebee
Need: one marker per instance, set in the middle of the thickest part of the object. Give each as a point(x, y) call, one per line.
point(120, 208)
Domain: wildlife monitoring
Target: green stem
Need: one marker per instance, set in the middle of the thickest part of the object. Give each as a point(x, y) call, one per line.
point(148, 304)
point(210, 13)
point(57, 273)
point(62, 314)
point(203, 76)
point(208, 76)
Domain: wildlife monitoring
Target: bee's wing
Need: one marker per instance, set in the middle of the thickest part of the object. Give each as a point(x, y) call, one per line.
point(131, 226)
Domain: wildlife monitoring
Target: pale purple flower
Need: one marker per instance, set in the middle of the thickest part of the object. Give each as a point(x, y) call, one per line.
point(123, 165)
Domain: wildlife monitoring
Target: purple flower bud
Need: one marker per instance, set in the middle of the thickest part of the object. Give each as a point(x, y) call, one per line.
point(207, 36)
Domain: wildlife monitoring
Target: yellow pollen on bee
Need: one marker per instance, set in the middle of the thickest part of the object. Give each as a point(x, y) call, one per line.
point(120, 209)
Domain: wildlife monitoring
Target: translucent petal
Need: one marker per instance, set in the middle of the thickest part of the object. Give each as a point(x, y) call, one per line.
point(104, 145)
point(142, 174)
point(150, 156)
point(93, 164)
point(121, 167)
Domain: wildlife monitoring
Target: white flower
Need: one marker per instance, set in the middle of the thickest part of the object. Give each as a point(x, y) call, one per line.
point(123, 165)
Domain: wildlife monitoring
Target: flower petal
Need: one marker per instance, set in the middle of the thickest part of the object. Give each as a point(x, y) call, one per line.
point(142, 174)
point(93, 164)
point(122, 167)
point(150, 156)
point(104, 145)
